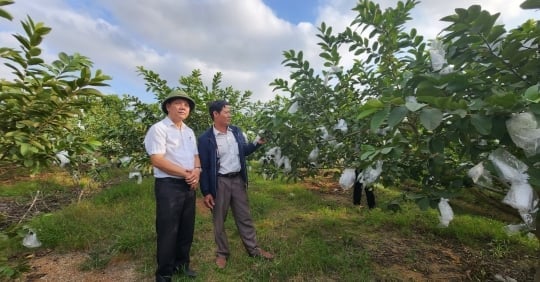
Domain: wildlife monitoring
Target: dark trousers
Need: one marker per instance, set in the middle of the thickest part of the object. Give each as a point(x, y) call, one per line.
point(357, 193)
point(175, 223)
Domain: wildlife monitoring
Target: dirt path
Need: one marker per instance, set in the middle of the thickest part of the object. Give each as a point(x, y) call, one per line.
point(65, 267)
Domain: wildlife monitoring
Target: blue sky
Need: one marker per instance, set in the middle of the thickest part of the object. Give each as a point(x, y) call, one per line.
point(294, 11)
point(242, 39)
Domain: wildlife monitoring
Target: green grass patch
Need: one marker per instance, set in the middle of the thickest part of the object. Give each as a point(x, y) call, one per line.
point(314, 237)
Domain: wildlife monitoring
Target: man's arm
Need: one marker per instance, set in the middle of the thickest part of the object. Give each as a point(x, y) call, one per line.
point(204, 154)
point(194, 175)
point(204, 163)
point(159, 161)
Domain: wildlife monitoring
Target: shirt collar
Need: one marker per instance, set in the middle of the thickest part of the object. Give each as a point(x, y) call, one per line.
point(217, 132)
point(169, 122)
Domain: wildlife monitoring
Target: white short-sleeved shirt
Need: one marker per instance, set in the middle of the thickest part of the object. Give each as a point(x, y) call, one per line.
point(178, 145)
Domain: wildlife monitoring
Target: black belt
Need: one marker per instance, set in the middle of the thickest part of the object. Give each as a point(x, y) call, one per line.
point(171, 180)
point(229, 175)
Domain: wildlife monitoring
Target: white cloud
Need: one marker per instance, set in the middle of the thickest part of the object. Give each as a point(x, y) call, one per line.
point(242, 39)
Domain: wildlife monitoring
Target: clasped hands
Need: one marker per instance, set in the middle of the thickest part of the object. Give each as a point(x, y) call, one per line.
point(192, 178)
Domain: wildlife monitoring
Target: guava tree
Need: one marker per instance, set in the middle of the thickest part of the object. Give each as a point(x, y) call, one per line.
point(41, 106)
point(429, 123)
point(430, 110)
point(309, 124)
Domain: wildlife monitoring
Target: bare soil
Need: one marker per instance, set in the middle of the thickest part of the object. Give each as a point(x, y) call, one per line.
point(416, 257)
point(53, 267)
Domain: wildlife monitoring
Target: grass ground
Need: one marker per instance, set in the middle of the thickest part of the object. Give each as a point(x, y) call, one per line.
point(312, 227)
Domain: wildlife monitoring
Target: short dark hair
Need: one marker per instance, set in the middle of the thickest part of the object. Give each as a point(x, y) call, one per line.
point(216, 106)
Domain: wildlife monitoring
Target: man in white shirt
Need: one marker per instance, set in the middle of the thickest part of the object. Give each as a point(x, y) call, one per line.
point(173, 152)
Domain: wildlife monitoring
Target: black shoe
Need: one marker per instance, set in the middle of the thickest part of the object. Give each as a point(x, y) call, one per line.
point(185, 271)
point(190, 273)
point(160, 278)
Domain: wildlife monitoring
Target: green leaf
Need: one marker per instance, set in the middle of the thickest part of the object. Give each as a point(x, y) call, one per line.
point(431, 118)
point(378, 118)
point(368, 155)
point(436, 145)
point(423, 203)
point(96, 143)
point(366, 113)
point(413, 105)
point(397, 115)
point(533, 93)
point(426, 88)
point(482, 123)
point(28, 162)
point(504, 100)
point(461, 113)
point(371, 106)
point(35, 61)
point(373, 103)
point(25, 149)
point(535, 108)
point(6, 15)
point(530, 4)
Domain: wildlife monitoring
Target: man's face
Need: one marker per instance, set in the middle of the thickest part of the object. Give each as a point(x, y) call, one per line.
point(178, 109)
point(224, 117)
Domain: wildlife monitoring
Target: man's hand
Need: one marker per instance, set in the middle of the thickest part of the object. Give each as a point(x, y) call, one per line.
point(209, 201)
point(192, 178)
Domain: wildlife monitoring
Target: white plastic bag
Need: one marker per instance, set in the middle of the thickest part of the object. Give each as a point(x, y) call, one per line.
point(348, 176)
point(513, 229)
point(293, 108)
point(30, 240)
point(508, 166)
point(286, 164)
point(370, 174)
point(341, 125)
point(438, 60)
point(324, 133)
point(480, 175)
point(525, 133)
point(437, 54)
point(63, 158)
point(521, 196)
point(275, 154)
point(447, 214)
point(313, 155)
point(136, 174)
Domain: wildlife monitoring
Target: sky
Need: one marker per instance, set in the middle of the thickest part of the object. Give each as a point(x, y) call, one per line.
point(242, 39)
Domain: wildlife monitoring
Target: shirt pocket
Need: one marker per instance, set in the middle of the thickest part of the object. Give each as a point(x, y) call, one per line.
point(174, 140)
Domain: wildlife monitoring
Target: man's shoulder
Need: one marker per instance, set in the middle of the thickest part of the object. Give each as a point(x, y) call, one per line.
point(206, 133)
point(162, 123)
point(159, 125)
point(235, 128)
